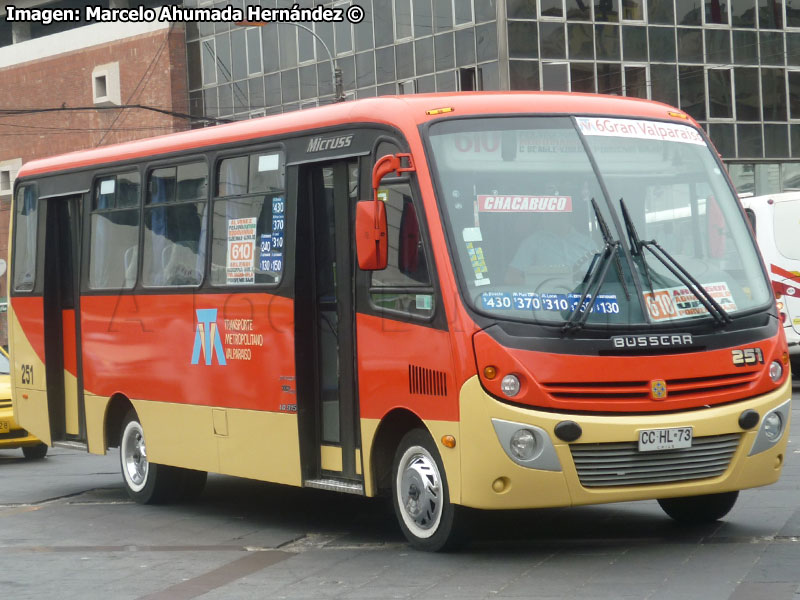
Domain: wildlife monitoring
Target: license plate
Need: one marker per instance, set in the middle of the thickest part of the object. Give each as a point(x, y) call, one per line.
point(672, 438)
point(5, 426)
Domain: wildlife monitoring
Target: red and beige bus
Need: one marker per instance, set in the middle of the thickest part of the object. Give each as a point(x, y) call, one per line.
point(495, 301)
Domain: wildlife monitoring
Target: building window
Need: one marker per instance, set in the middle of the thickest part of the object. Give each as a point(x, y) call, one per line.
point(717, 12)
point(402, 19)
point(105, 84)
point(720, 97)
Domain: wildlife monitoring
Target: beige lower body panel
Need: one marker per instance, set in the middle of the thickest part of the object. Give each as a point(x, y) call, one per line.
point(30, 412)
point(485, 461)
point(30, 400)
point(254, 444)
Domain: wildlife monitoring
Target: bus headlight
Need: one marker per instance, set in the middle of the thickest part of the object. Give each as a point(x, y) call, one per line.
point(523, 444)
point(527, 445)
point(773, 426)
point(510, 385)
point(775, 371)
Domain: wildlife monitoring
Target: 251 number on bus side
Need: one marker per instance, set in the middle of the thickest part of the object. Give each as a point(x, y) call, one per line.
point(26, 375)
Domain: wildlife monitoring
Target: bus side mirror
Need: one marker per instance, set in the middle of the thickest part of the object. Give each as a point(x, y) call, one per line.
point(372, 243)
point(371, 238)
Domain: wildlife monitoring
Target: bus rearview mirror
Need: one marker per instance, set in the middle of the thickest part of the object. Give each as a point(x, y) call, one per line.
point(371, 238)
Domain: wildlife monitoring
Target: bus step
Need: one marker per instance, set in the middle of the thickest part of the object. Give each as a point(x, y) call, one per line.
point(336, 485)
point(72, 445)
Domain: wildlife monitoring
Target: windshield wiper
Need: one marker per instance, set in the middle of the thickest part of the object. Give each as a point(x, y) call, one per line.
point(596, 275)
point(719, 314)
point(635, 241)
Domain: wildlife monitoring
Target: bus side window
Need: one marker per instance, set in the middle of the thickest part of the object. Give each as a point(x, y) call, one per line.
point(25, 236)
point(405, 284)
point(114, 250)
point(248, 220)
point(175, 225)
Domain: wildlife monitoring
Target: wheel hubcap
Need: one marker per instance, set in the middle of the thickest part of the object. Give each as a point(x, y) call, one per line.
point(420, 491)
point(135, 456)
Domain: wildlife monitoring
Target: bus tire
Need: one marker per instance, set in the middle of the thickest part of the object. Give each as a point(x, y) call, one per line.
point(145, 482)
point(37, 452)
point(694, 510)
point(421, 496)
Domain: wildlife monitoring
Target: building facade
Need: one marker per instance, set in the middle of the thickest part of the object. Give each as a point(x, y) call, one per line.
point(734, 65)
point(62, 86)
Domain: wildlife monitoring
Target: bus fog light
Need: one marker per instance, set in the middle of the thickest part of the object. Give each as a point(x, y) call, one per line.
point(773, 426)
point(510, 385)
point(523, 444)
point(775, 371)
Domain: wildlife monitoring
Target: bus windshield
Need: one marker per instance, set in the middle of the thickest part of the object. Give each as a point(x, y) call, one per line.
point(541, 210)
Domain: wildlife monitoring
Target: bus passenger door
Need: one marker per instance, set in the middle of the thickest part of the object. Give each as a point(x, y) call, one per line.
point(62, 322)
point(325, 317)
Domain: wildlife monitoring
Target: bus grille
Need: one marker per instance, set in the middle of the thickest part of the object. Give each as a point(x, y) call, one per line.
point(5, 403)
point(618, 464)
point(640, 390)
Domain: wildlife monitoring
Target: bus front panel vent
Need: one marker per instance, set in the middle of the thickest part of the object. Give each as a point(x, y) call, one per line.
point(426, 381)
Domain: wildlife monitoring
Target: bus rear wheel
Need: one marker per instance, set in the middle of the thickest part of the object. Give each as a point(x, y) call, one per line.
point(694, 510)
point(421, 496)
point(145, 482)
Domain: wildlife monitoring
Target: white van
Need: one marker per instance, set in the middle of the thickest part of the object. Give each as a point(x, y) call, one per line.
point(776, 221)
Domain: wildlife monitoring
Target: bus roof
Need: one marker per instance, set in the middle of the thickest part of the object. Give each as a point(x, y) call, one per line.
point(400, 111)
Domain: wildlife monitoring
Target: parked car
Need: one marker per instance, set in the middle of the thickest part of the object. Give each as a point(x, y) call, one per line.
point(775, 219)
point(11, 435)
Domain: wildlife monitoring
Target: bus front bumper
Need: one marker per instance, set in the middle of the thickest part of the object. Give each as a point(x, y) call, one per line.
point(491, 479)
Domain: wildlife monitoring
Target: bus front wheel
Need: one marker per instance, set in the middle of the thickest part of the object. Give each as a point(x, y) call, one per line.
point(145, 482)
point(36, 452)
point(421, 496)
point(694, 510)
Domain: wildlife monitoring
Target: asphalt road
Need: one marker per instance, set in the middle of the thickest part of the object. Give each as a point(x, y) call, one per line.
point(67, 530)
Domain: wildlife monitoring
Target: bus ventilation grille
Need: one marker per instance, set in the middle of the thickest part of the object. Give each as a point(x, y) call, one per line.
point(618, 464)
point(426, 381)
point(689, 388)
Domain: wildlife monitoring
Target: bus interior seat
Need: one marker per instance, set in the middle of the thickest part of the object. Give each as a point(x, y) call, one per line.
point(180, 265)
point(130, 260)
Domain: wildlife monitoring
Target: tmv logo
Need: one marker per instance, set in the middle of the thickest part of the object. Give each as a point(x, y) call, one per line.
point(207, 337)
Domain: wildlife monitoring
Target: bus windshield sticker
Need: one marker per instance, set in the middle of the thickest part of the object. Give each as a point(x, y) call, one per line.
point(496, 301)
point(605, 304)
point(524, 203)
point(472, 234)
point(679, 303)
point(269, 162)
point(478, 263)
point(107, 186)
point(643, 130)
point(241, 251)
point(424, 301)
